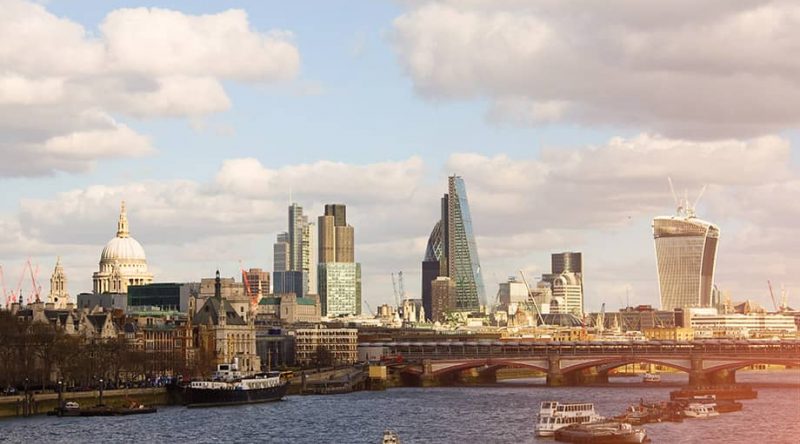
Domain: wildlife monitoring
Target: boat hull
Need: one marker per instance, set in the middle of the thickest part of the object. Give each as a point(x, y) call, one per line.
point(213, 398)
point(600, 434)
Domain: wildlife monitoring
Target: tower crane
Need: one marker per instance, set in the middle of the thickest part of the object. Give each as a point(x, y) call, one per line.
point(372, 312)
point(3, 282)
point(601, 320)
point(396, 293)
point(253, 297)
point(402, 286)
point(37, 290)
point(531, 299)
point(772, 295)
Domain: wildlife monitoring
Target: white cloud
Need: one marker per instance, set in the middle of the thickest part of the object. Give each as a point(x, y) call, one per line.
point(582, 199)
point(60, 82)
point(721, 69)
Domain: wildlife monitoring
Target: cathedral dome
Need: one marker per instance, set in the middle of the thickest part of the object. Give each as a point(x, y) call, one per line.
point(123, 249)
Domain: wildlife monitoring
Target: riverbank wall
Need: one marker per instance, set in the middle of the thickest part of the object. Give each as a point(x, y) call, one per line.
point(41, 403)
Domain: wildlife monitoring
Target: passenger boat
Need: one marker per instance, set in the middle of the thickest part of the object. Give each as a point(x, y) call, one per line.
point(699, 410)
point(609, 432)
point(651, 378)
point(230, 387)
point(391, 437)
point(555, 415)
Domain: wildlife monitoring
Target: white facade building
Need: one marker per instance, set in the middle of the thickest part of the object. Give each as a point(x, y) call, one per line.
point(122, 262)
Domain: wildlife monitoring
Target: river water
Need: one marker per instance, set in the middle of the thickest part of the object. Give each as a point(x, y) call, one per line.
point(497, 414)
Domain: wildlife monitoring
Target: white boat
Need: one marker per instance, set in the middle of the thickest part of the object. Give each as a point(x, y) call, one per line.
point(391, 437)
point(555, 415)
point(699, 410)
point(651, 378)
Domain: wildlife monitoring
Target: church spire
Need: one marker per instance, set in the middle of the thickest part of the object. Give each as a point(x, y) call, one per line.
point(122, 225)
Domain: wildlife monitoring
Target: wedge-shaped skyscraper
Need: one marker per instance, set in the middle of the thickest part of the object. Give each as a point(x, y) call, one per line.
point(452, 252)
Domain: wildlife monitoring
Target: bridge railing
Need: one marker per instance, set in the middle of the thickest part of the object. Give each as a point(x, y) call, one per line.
point(456, 349)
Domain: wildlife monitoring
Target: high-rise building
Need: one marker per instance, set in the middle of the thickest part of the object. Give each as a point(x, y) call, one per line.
point(566, 283)
point(296, 252)
point(686, 252)
point(338, 272)
point(452, 245)
point(339, 213)
point(340, 288)
point(281, 253)
point(327, 239)
point(443, 299)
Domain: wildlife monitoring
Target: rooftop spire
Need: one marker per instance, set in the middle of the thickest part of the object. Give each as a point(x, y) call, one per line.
point(122, 225)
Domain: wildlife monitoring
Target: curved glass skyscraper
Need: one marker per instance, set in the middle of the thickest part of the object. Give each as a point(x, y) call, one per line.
point(452, 252)
point(686, 252)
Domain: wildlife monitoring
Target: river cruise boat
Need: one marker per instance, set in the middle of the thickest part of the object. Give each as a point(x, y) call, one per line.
point(700, 410)
point(651, 378)
point(229, 386)
point(555, 415)
point(609, 432)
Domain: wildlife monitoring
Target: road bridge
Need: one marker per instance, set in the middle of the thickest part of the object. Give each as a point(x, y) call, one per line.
point(575, 363)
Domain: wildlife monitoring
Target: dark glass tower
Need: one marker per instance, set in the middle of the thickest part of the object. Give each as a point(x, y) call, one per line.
point(452, 252)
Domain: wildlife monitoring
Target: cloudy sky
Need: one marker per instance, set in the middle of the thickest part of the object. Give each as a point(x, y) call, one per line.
point(565, 119)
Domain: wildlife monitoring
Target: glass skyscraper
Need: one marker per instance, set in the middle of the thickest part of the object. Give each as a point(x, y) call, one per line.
point(686, 252)
point(452, 252)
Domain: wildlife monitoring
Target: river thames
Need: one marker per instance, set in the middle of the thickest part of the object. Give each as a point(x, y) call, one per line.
point(498, 414)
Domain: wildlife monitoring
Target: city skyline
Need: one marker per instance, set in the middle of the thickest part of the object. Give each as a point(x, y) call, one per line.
point(207, 149)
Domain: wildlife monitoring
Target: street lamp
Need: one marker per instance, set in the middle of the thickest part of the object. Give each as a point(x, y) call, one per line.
point(101, 391)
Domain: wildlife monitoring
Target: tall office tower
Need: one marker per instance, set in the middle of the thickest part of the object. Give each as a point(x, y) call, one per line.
point(309, 260)
point(297, 222)
point(281, 252)
point(339, 274)
point(442, 298)
point(327, 239)
point(345, 240)
point(452, 244)
point(339, 213)
point(686, 252)
point(566, 262)
point(566, 282)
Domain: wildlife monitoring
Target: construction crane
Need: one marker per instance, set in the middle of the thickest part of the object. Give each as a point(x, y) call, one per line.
point(402, 286)
point(37, 289)
point(253, 297)
point(772, 295)
point(396, 293)
point(3, 282)
point(784, 299)
point(531, 299)
point(601, 319)
point(371, 311)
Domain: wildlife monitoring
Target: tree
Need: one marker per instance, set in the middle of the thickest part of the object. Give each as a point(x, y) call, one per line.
point(322, 357)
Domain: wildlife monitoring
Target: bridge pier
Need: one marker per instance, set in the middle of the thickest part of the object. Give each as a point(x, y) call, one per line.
point(722, 377)
point(697, 376)
point(427, 378)
point(588, 376)
point(555, 377)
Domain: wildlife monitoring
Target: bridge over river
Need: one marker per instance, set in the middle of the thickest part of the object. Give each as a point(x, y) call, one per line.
point(575, 363)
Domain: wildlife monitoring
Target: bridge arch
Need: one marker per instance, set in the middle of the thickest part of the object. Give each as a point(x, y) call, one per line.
point(488, 363)
point(615, 362)
point(752, 361)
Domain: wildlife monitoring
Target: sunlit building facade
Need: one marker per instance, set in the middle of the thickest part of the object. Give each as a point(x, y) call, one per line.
point(452, 249)
point(686, 253)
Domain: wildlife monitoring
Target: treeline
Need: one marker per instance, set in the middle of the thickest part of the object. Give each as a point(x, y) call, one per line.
point(38, 355)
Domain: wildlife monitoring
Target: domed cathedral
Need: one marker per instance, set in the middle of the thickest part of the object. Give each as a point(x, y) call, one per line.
point(122, 263)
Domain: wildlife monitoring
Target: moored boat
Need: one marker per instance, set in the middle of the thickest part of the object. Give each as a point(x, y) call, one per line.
point(609, 432)
point(230, 387)
point(651, 378)
point(699, 410)
point(555, 415)
point(731, 392)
